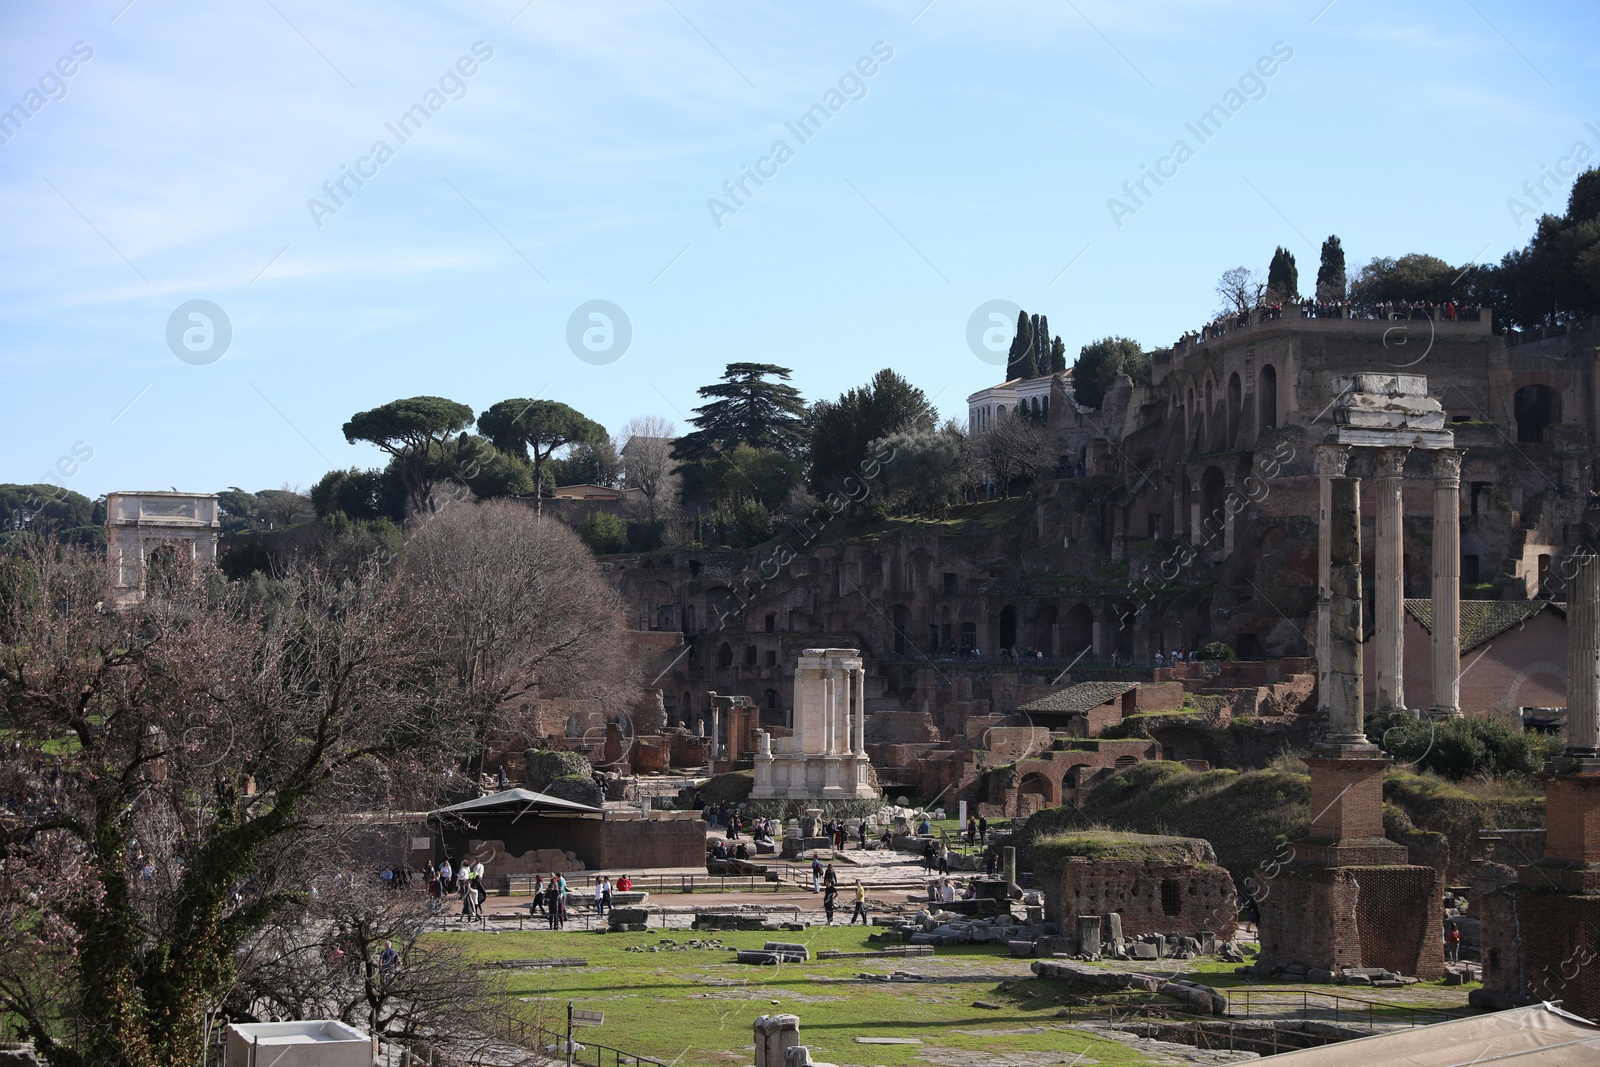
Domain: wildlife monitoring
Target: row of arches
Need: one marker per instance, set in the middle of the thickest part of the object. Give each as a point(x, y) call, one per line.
point(1211, 419)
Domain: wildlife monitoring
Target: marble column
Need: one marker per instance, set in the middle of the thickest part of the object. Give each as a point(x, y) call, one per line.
point(797, 742)
point(1388, 582)
point(829, 713)
point(1446, 585)
point(1583, 658)
point(1346, 721)
point(1331, 463)
point(861, 712)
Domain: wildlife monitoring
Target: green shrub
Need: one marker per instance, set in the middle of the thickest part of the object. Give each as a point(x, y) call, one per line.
point(1217, 650)
point(603, 532)
point(1462, 748)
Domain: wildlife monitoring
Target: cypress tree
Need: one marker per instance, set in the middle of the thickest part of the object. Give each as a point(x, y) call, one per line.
point(1283, 280)
point(1058, 356)
point(1330, 273)
point(1020, 362)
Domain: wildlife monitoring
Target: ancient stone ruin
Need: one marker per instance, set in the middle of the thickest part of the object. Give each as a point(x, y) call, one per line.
point(151, 534)
point(826, 757)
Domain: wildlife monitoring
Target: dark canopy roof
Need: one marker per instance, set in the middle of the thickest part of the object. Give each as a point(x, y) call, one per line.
point(515, 801)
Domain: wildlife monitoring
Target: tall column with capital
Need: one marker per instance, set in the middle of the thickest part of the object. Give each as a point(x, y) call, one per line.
point(1388, 582)
point(1446, 585)
point(1331, 463)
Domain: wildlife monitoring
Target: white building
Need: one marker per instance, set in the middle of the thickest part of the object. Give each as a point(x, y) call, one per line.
point(987, 405)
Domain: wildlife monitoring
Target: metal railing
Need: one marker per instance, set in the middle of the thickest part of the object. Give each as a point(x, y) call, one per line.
point(1329, 1007)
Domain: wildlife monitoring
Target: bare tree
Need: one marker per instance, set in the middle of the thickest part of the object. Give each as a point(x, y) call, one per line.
point(524, 611)
point(1239, 290)
point(163, 753)
point(280, 506)
point(647, 463)
point(1010, 449)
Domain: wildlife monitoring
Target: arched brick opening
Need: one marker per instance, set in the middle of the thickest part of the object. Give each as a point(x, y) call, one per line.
point(1235, 408)
point(1536, 407)
point(1077, 630)
point(1267, 393)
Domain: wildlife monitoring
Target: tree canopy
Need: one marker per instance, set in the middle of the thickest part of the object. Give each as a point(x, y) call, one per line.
point(842, 430)
point(409, 430)
point(1239, 289)
point(1099, 363)
point(534, 430)
point(1331, 281)
point(1410, 277)
point(1283, 277)
point(747, 408)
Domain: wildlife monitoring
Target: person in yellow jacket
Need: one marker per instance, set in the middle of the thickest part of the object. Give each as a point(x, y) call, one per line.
point(861, 905)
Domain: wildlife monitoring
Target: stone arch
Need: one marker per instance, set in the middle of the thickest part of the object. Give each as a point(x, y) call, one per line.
point(750, 656)
point(1038, 785)
point(1267, 395)
point(770, 699)
point(1008, 626)
point(1235, 408)
point(901, 620)
point(724, 655)
point(1536, 408)
point(1077, 630)
point(1045, 629)
point(1213, 502)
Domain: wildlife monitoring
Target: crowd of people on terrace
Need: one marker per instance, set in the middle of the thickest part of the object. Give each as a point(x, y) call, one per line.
point(1446, 311)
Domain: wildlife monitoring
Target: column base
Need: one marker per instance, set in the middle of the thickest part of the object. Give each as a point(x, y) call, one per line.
point(1439, 712)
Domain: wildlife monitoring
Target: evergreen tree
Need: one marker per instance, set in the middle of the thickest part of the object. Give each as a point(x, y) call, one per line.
point(1058, 356)
point(1330, 272)
point(748, 409)
point(1019, 361)
point(1283, 280)
point(841, 430)
point(1099, 363)
point(1041, 345)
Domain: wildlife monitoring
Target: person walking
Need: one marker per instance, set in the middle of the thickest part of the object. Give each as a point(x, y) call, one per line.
point(552, 902)
point(983, 830)
point(469, 898)
point(830, 900)
point(860, 911)
point(816, 875)
point(537, 907)
point(927, 857)
point(599, 897)
point(861, 833)
point(830, 877)
point(1452, 941)
point(605, 895)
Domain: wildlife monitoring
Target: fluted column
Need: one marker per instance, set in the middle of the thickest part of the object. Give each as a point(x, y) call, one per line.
point(1583, 658)
point(1331, 463)
point(1446, 585)
point(829, 712)
point(1388, 582)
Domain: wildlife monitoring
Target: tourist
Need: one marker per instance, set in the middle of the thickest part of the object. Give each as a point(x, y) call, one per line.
point(741, 851)
point(1452, 940)
point(447, 877)
point(861, 833)
point(469, 898)
point(537, 907)
point(838, 835)
point(830, 899)
point(1158, 659)
point(624, 884)
point(927, 857)
point(933, 891)
point(388, 962)
point(972, 830)
point(947, 892)
point(983, 830)
point(861, 905)
point(830, 877)
point(552, 901)
point(816, 875)
point(944, 861)
point(599, 896)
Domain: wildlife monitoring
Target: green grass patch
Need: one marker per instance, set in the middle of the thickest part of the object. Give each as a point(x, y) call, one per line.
point(1110, 846)
point(697, 1006)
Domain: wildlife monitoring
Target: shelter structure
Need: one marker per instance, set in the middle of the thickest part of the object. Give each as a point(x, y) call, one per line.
point(825, 758)
point(1542, 1034)
point(519, 831)
point(1350, 898)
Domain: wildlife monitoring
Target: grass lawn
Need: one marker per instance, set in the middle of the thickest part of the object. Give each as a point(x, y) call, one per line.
point(697, 1006)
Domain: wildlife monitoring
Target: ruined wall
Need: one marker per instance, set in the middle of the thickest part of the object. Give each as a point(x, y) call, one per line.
point(1334, 917)
point(1152, 897)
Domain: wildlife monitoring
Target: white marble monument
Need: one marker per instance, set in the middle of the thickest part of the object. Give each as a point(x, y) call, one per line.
point(138, 525)
point(826, 758)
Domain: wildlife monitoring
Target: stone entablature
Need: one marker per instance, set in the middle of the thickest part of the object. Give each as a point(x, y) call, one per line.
point(138, 524)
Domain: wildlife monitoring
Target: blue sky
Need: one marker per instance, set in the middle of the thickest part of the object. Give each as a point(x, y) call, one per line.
point(576, 162)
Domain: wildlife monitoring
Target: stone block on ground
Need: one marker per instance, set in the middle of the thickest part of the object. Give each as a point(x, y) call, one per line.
point(627, 916)
point(1082, 978)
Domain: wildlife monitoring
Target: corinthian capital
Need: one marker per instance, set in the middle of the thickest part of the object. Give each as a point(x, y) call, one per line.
point(1447, 465)
point(1332, 460)
point(1392, 462)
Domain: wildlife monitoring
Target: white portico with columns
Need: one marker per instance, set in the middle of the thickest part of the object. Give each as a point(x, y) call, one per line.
point(826, 757)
